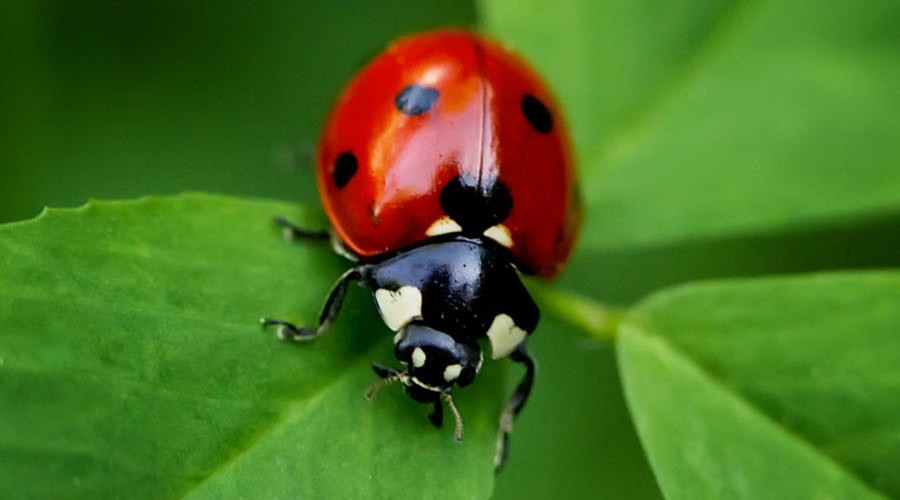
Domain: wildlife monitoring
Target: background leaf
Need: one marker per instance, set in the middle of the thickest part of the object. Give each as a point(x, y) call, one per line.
point(775, 388)
point(133, 365)
point(716, 139)
point(701, 123)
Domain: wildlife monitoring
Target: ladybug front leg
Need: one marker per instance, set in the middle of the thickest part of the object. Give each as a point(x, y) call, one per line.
point(436, 417)
point(514, 405)
point(329, 313)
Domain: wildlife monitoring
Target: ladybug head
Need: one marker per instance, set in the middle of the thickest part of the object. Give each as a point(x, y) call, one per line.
point(434, 361)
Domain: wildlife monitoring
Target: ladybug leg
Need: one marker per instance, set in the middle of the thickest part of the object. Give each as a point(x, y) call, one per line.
point(332, 307)
point(514, 405)
point(385, 372)
point(293, 232)
point(388, 376)
point(437, 414)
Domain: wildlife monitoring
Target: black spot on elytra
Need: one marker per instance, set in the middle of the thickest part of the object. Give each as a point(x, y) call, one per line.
point(416, 99)
point(344, 169)
point(476, 209)
point(537, 114)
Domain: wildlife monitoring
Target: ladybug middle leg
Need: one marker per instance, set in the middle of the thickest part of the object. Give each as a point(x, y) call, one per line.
point(287, 330)
point(514, 405)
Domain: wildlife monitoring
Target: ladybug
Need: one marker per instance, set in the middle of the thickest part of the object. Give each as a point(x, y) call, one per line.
point(446, 172)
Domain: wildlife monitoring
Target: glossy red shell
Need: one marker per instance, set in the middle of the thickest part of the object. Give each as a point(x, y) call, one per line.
point(476, 128)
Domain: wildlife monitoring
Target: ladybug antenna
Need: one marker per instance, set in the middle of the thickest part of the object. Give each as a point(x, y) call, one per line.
point(388, 376)
point(459, 425)
point(374, 388)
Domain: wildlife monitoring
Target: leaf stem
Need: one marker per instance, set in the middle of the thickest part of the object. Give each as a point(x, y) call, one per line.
point(599, 320)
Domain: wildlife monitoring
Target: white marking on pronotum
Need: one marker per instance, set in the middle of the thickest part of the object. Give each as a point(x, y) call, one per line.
point(398, 337)
point(505, 336)
point(444, 225)
point(418, 357)
point(399, 307)
point(452, 372)
point(500, 234)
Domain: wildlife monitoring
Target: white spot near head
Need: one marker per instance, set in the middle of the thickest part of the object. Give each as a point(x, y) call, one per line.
point(500, 234)
point(399, 307)
point(398, 337)
point(418, 357)
point(452, 372)
point(505, 336)
point(444, 225)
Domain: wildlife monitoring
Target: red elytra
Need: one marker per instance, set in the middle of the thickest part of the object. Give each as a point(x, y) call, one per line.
point(491, 118)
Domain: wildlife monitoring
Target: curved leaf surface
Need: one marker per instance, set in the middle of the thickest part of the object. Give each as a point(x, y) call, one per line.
point(770, 388)
point(132, 365)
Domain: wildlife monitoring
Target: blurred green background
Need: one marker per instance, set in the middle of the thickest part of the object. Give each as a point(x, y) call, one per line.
point(110, 99)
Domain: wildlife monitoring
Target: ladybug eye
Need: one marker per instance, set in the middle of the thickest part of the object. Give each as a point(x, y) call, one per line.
point(537, 114)
point(344, 169)
point(416, 99)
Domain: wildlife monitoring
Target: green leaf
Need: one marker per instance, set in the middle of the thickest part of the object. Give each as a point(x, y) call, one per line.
point(770, 388)
point(722, 138)
point(606, 59)
point(132, 365)
point(712, 118)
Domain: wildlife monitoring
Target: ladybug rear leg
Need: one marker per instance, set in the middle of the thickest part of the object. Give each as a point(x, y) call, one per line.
point(514, 405)
point(293, 232)
point(329, 313)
